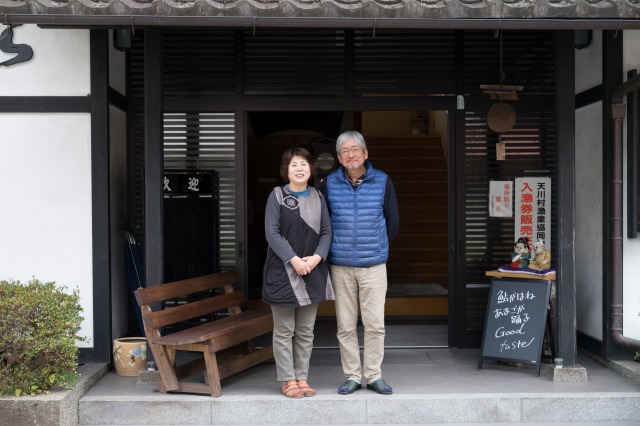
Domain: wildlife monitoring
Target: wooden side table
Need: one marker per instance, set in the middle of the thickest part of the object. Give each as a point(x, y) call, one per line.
point(549, 276)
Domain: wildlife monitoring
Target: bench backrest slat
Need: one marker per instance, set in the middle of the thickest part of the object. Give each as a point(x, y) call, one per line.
point(145, 296)
point(195, 309)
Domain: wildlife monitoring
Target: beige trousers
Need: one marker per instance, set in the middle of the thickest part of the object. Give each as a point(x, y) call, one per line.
point(364, 289)
point(293, 340)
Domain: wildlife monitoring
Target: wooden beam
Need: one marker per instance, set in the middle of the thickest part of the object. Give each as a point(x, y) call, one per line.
point(565, 110)
point(153, 157)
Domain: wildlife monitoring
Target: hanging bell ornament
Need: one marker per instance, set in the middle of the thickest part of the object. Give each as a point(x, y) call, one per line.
point(501, 117)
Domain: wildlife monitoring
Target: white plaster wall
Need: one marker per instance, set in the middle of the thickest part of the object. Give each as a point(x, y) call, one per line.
point(631, 247)
point(59, 67)
point(589, 233)
point(45, 188)
point(440, 123)
point(45, 168)
point(589, 64)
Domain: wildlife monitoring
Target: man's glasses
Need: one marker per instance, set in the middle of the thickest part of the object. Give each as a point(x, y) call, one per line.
point(356, 150)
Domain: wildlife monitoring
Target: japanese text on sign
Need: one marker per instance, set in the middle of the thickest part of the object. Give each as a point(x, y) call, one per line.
point(533, 208)
point(516, 315)
point(515, 322)
point(500, 199)
point(190, 184)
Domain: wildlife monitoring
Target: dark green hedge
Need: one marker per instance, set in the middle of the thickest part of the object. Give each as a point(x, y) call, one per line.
point(39, 325)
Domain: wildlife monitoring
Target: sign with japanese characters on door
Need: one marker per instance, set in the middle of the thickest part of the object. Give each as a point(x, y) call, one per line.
point(188, 183)
point(532, 208)
point(500, 198)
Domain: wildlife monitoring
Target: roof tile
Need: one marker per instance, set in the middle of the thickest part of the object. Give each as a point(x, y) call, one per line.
point(366, 9)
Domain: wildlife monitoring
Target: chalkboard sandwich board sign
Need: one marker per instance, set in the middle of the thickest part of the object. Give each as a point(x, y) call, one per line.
point(515, 321)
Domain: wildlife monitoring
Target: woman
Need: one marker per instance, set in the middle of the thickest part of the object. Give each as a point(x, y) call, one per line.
point(296, 278)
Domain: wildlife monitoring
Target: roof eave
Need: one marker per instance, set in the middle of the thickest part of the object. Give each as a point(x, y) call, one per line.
point(132, 21)
point(339, 14)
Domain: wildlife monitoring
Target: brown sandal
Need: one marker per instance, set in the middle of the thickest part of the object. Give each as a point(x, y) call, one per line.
point(305, 388)
point(290, 389)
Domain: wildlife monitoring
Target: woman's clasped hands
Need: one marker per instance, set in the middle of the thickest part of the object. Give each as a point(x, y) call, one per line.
point(305, 265)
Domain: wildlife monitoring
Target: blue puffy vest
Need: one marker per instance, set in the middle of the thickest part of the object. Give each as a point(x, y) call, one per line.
point(357, 218)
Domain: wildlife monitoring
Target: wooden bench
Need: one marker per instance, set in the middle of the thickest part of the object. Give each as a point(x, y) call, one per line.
point(225, 343)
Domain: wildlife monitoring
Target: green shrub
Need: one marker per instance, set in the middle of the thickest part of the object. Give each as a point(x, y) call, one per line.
point(39, 325)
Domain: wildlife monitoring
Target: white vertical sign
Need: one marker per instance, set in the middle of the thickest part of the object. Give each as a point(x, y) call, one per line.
point(500, 198)
point(533, 209)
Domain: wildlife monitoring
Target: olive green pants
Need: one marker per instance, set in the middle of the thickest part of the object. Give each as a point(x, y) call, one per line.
point(293, 340)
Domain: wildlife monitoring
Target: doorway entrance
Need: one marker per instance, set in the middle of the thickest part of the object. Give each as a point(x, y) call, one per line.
point(212, 112)
point(411, 147)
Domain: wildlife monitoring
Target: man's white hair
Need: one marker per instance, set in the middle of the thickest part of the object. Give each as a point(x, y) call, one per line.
point(351, 135)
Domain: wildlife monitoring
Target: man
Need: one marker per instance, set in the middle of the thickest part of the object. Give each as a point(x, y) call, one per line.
point(364, 216)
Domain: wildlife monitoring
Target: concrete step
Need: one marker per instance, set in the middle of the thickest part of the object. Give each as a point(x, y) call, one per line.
point(58, 407)
point(362, 409)
point(433, 386)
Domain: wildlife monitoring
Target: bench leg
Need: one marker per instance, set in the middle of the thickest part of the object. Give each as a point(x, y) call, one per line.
point(212, 376)
point(171, 356)
point(164, 360)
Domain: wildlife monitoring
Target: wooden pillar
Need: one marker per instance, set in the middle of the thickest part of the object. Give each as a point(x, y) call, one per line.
point(153, 157)
point(565, 257)
point(99, 57)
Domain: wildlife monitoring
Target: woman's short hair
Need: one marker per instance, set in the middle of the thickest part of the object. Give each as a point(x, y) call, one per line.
point(289, 154)
point(351, 135)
